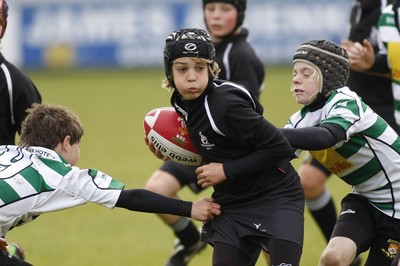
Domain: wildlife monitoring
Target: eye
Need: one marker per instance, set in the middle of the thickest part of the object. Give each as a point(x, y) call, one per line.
point(307, 74)
point(181, 69)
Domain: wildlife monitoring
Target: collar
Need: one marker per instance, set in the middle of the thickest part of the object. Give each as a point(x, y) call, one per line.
point(45, 153)
point(318, 103)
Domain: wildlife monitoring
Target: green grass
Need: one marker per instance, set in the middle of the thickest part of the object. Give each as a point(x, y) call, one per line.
point(112, 104)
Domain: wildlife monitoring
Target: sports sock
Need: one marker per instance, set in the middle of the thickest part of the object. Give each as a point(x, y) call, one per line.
point(186, 231)
point(323, 211)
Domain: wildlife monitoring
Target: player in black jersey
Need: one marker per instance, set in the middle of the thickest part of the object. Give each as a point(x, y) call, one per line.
point(238, 62)
point(17, 91)
point(246, 159)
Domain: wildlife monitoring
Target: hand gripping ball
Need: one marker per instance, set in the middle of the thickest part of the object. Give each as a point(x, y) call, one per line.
point(167, 130)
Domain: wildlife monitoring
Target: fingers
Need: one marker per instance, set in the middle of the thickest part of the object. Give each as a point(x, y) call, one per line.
point(205, 210)
point(199, 170)
point(202, 180)
point(155, 151)
point(346, 44)
point(204, 183)
point(356, 51)
point(367, 44)
point(3, 245)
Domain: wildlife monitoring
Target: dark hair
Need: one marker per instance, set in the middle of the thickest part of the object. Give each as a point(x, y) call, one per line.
point(47, 125)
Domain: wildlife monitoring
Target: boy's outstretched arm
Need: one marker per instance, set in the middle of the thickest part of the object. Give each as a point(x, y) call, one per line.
point(142, 200)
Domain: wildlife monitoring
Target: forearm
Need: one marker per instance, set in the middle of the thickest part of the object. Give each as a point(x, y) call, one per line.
point(142, 200)
point(314, 138)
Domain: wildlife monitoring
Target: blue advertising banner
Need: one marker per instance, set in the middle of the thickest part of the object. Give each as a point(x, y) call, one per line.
point(132, 33)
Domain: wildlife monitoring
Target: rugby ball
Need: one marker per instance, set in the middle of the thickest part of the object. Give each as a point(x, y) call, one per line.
point(167, 130)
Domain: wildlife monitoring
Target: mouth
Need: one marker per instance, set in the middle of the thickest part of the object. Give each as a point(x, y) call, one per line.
point(192, 89)
point(216, 27)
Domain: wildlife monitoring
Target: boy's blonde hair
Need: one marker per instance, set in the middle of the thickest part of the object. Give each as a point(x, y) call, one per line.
point(47, 125)
point(213, 70)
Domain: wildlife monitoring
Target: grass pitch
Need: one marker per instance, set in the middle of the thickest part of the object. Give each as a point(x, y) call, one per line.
point(111, 105)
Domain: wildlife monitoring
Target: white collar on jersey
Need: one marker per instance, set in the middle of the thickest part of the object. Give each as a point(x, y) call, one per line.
point(44, 152)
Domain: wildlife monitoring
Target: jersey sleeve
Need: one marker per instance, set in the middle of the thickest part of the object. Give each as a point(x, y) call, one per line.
point(345, 113)
point(265, 145)
point(91, 185)
point(146, 201)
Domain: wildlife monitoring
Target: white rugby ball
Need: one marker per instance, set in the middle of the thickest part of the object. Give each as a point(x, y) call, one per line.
point(167, 130)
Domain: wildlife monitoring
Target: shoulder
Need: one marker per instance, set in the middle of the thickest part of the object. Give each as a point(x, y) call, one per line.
point(230, 89)
point(228, 94)
point(342, 94)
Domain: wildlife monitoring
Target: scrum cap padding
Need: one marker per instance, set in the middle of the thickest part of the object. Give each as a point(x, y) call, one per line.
point(330, 60)
point(187, 43)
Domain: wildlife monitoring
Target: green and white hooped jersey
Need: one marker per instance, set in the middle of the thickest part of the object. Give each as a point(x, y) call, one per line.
point(390, 37)
point(37, 180)
point(369, 159)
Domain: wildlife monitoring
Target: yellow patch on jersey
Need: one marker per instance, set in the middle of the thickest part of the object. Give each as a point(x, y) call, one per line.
point(332, 160)
point(394, 59)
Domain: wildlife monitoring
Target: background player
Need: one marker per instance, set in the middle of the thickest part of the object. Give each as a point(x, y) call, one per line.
point(239, 63)
point(17, 91)
point(375, 90)
point(40, 176)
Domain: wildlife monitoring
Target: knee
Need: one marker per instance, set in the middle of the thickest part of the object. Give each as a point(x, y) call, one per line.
point(312, 180)
point(163, 183)
point(330, 257)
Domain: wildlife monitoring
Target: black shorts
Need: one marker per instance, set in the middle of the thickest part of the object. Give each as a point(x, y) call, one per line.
point(249, 226)
point(6, 260)
point(185, 174)
point(369, 228)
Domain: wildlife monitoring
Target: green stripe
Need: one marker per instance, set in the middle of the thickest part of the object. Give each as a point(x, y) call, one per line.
point(8, 194)
point(61, 168)
point(350, 105)
point(385, 187)
point(377, 129)
point(357, 142)
point(92, 173)
point(386, 20)
point(116, 185)
point(384, 206)
point(364, 173)
point(35, 179)
point(347, 105)
point(396, 104)
point(345, 124)
point(304, 111)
